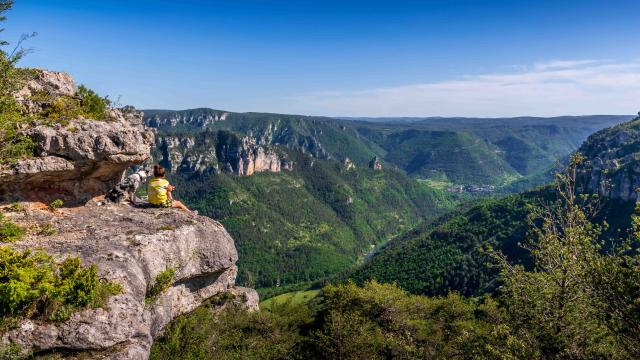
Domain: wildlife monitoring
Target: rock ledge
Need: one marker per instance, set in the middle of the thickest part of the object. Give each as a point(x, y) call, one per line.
point(131, 246)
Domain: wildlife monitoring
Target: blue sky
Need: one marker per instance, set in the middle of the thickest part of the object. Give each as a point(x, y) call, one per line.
point(351, 58)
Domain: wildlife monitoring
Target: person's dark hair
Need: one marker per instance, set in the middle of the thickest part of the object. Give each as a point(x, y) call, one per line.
point(158, 170)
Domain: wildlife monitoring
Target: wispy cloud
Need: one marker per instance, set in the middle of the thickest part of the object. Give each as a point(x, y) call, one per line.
point(563, 64)
point(560, 87)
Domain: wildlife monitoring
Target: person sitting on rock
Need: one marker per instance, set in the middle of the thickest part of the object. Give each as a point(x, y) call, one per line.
point(160, 191)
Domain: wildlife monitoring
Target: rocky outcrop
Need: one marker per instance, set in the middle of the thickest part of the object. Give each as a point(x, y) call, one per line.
point(348, 164)
point(375, 164)
point(255, 158)
point(131, 246)
point(216, 151)
point(44, 86)
point(77, 161)
point(612, 166)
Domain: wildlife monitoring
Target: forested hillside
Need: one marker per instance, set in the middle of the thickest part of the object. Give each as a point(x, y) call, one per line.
point(326, 210)
point(294, 227)
point(452, 253)
point(570, 298)
point(493, 151)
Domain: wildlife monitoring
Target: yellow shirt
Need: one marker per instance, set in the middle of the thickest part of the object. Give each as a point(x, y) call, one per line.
point(158, 191)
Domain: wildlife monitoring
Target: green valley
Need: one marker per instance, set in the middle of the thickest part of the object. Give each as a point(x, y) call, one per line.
point(307, 224)
point(313, 208)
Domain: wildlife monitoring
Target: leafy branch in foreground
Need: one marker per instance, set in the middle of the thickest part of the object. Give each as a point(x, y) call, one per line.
point(552, 307)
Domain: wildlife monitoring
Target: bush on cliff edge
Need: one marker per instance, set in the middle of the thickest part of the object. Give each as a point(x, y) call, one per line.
point(34, 285)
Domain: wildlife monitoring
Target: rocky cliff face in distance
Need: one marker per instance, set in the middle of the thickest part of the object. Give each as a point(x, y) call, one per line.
point(218, 151)
point(298, 133)
point(612, 168)
point(130, 246)
point(193, 118)
point(375, 164)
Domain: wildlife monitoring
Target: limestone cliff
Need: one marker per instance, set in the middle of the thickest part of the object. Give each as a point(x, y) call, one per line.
point(129, 245)
point(218, 151)
point(612, 168)
point(77, 161)
point(298, 133)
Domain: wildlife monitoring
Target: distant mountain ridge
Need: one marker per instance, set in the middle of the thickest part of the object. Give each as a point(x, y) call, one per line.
point(456, 150)
point(490, 121)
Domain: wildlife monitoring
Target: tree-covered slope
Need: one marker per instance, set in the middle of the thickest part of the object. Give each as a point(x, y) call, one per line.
point(454, 252)
point(315, 221)
point(482, 150)
point(458, 156)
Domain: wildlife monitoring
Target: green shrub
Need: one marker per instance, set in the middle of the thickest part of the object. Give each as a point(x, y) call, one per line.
point(162, 282)
point(56, 204)
point(85, 103)
point(346, 322)
point(93, 105)
point(234, 333)
point(12, 352)
point(17, 207)
point(47, 230)
point(9, 231)
point(15, 145)
point(34, 285)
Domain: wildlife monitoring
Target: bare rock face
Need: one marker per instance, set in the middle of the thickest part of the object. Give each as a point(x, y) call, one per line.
point(375, 164)
point(131, 246)
point(612, 168)
point(53, 84)
point(254, 158)
point(348, 164)
point(77, 162)
point(218, 151)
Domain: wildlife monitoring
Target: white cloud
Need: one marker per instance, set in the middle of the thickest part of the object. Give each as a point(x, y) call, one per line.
point(546, 89)
point(563, 64)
